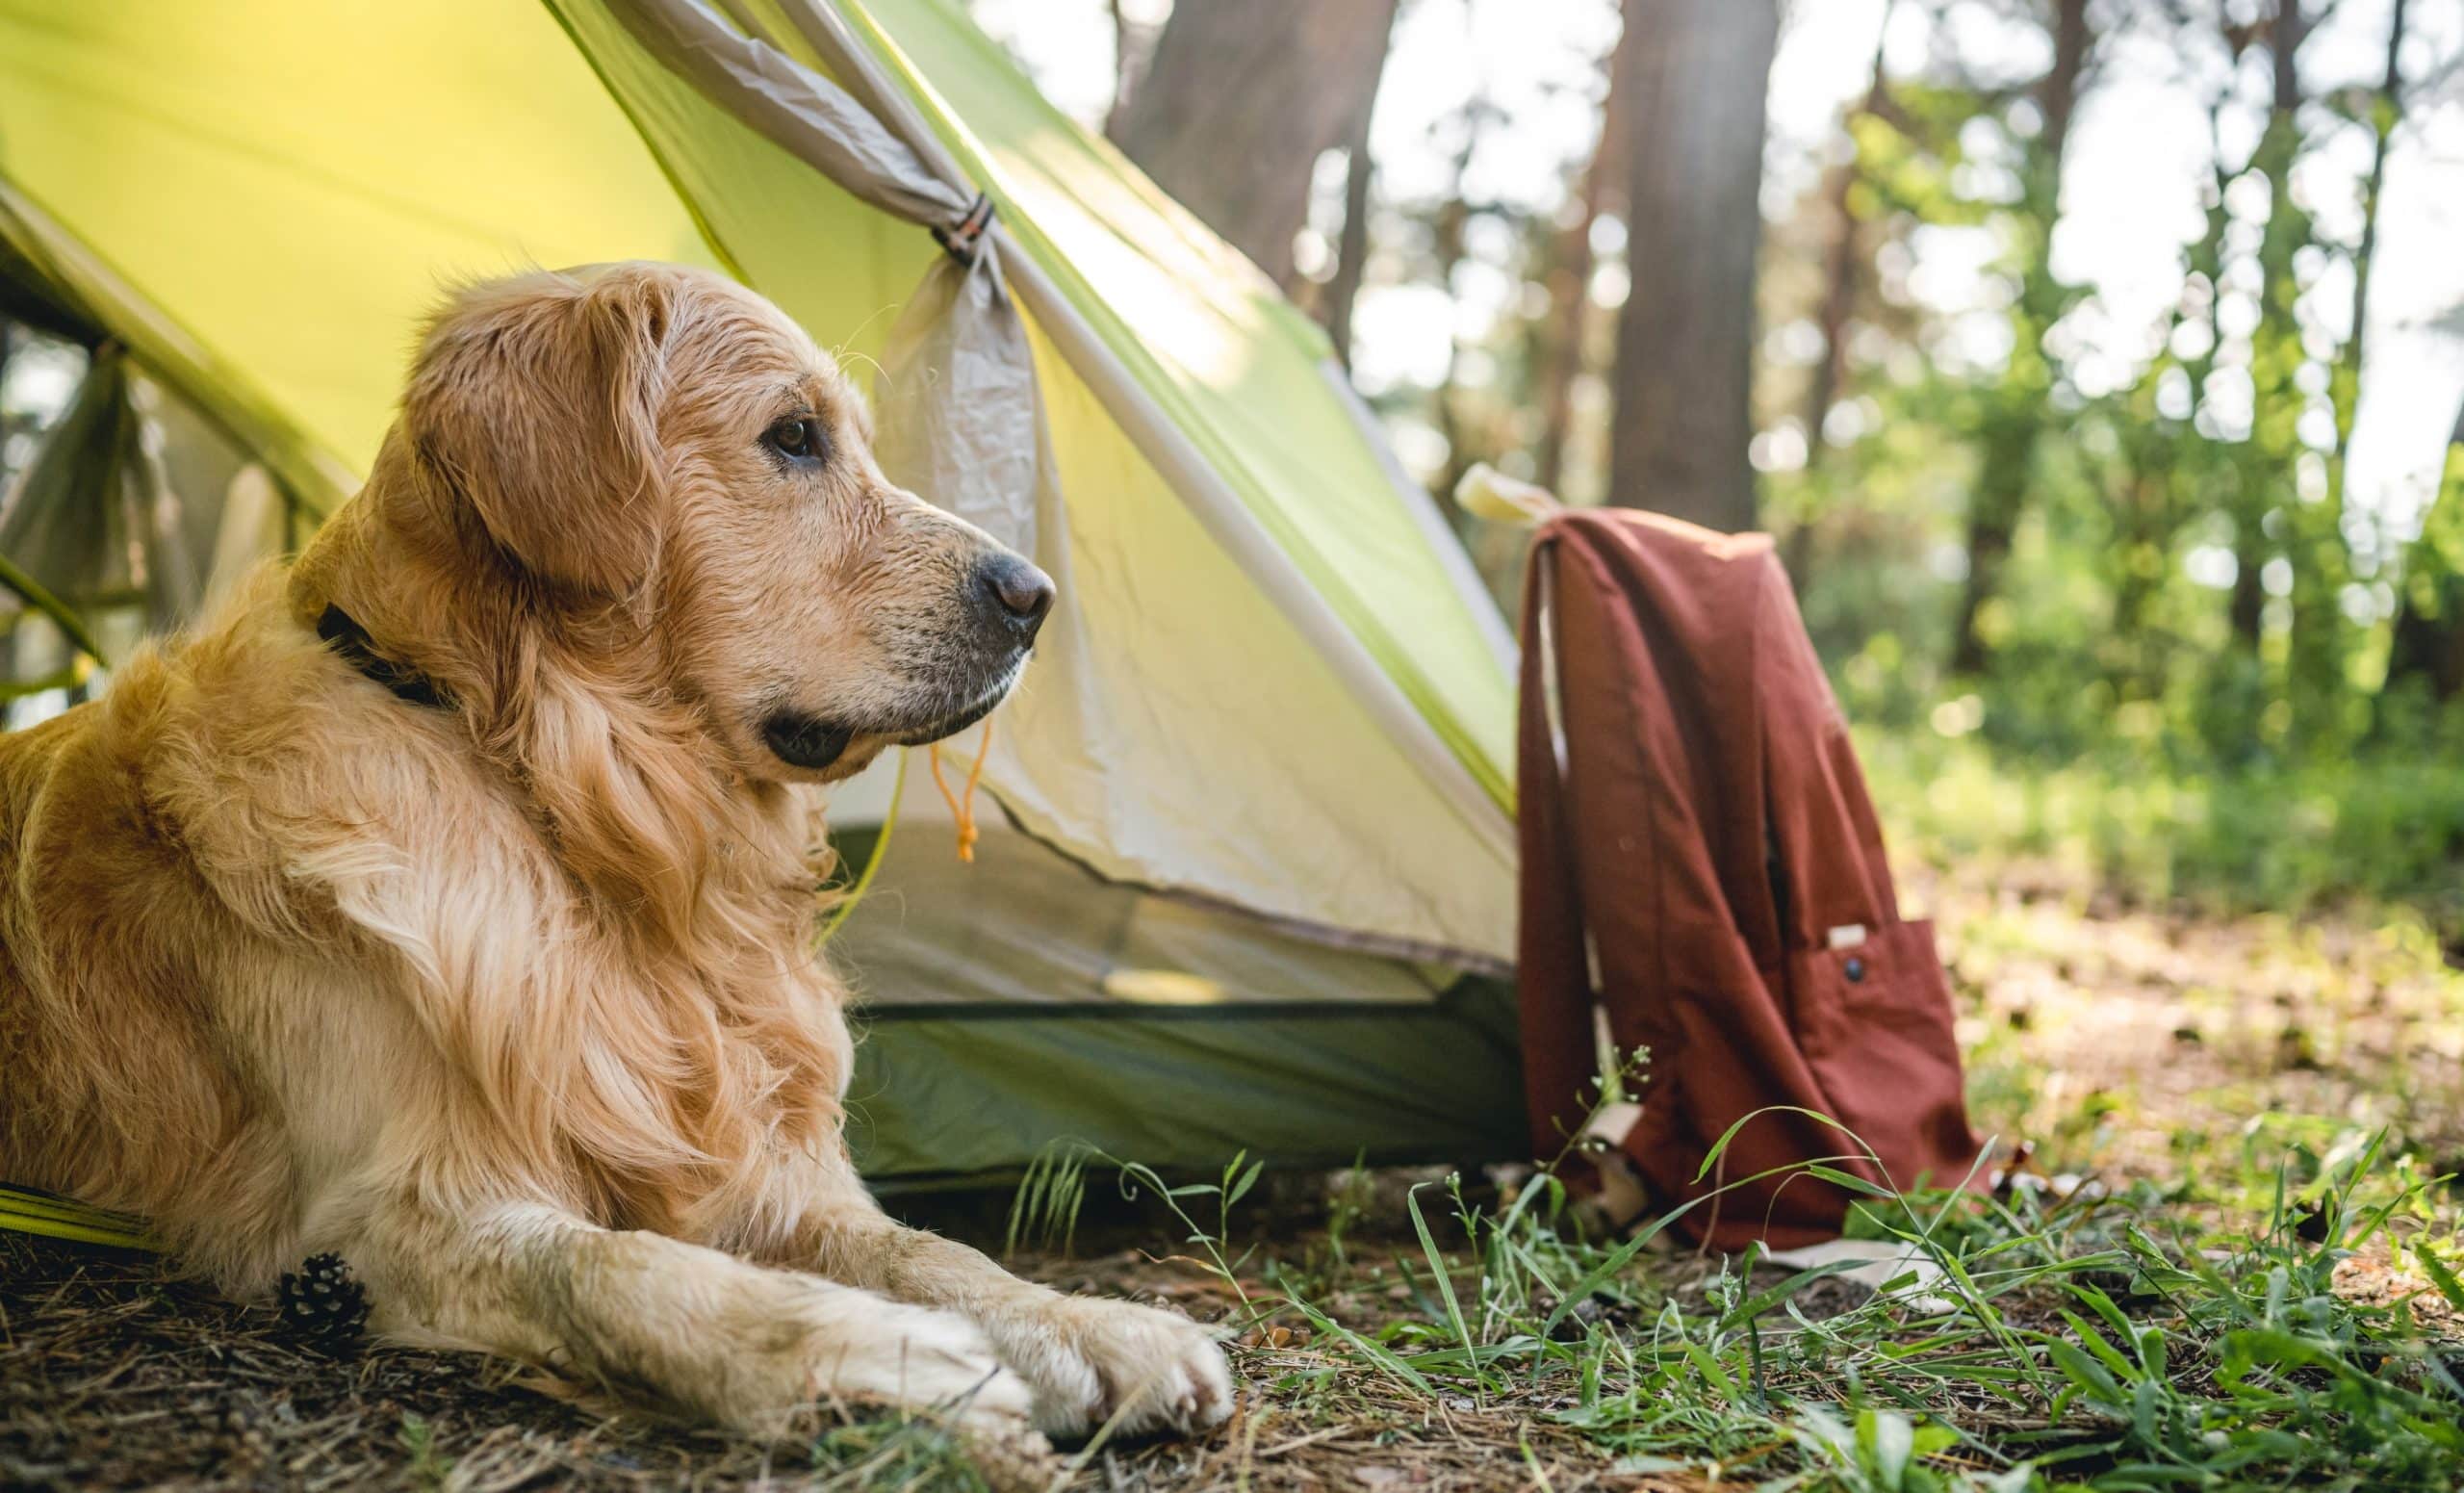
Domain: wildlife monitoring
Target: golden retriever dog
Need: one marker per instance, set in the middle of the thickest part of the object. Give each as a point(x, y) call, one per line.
point(448, 901)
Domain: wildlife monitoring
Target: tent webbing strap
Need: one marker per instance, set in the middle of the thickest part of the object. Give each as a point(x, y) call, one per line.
point(965, 240)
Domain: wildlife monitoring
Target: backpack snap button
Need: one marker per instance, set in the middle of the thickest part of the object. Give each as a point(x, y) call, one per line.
point(1854, 969)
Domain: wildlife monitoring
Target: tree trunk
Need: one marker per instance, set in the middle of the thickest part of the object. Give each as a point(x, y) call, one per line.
point(1132, 47)
point(1453, 218)
point(1240, 101)
point(2389, 112)
point(2015, 410)
point(1569, 281)
point(2163, 457)
point(2319, 629)
point(1351, 248)
point(1697, 71)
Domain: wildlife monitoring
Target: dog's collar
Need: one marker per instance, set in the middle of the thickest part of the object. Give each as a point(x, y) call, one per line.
point(350, 639)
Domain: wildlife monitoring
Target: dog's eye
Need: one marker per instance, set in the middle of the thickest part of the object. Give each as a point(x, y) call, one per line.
point(798, 438)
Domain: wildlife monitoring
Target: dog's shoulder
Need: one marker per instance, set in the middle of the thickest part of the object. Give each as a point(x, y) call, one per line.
point(248, 760)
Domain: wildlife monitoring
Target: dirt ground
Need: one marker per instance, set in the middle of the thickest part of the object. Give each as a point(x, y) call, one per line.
point(2121, 1042)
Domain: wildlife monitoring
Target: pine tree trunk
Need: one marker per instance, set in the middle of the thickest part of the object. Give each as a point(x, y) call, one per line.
point(1237, 102)
point(1697, 71)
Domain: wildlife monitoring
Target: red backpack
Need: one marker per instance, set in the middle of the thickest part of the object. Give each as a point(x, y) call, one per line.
point(1702, 867)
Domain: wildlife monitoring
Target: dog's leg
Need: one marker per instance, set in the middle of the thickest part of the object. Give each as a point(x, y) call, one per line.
point(1089, 1359)
point(698, 1330)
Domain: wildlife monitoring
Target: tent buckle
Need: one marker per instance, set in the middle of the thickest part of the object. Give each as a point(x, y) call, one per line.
point(964, 242)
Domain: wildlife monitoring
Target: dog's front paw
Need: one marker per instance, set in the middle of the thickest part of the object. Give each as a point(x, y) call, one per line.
point(1093, 1360)
point(926, 1359)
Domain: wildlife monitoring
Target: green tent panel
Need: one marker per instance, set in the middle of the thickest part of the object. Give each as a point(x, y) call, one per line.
point(1253, 884)
point(1300, 1084)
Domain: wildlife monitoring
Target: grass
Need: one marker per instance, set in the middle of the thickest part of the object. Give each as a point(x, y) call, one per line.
point(2144, 1338)
point(2238, 1270)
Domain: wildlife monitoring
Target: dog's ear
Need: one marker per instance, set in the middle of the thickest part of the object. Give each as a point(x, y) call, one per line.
point(534, 407)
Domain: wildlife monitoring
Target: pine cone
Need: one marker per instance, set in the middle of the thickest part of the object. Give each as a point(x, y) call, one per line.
point(324, 1303)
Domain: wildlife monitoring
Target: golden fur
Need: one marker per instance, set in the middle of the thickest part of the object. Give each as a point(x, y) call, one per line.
point(515, 1002)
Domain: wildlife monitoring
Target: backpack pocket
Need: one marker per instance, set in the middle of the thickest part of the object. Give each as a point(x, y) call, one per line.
point(1874, 1017)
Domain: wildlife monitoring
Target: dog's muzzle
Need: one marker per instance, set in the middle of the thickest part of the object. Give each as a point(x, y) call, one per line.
point(1005, 601)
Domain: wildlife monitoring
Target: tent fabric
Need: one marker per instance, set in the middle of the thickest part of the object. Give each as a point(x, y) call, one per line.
point(66, 272)
point(294, 184)
point(1021, 1000)
point(974, 1093)
point(1273, 693)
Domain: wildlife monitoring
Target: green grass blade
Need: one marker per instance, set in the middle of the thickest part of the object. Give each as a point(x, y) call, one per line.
point(1444, 1277)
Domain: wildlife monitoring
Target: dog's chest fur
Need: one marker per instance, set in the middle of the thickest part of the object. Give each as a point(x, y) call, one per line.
point(273, 933)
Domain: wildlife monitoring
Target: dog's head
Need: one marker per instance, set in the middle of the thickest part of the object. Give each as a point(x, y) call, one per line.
point(662, 446)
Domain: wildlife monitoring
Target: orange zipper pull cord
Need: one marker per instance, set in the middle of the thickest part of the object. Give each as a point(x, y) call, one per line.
point(963, 804)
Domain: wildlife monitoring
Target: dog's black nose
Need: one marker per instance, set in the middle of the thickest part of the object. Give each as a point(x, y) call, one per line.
point(1023, 592)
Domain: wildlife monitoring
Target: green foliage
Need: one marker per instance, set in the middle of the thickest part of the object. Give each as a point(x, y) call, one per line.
point(2288, 836)
point(2130, 546)
point(1043, 1212)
